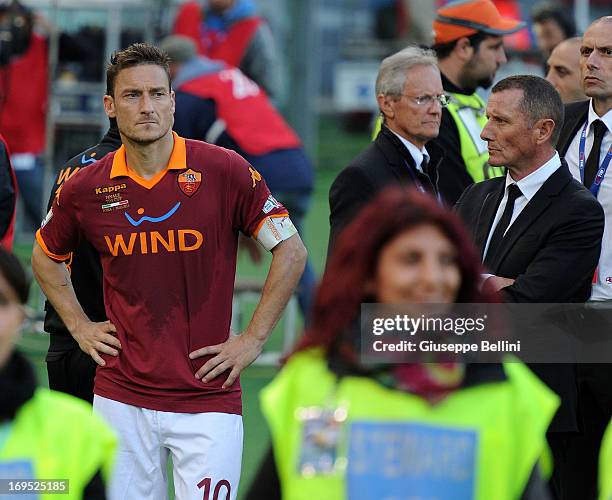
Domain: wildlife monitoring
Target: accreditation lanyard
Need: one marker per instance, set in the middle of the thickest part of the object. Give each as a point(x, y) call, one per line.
point(417, 183)
point(601, 171)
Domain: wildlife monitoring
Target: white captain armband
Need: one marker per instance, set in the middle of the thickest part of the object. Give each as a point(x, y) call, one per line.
point(273, 230)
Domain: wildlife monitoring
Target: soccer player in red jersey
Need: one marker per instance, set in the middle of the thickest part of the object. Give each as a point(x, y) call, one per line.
point(164, 213)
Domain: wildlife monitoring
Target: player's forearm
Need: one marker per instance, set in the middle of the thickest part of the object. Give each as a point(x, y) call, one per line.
point(288, 261)
point(54, 280)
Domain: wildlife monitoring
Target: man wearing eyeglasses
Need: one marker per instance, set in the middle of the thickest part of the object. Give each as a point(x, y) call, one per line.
point(410, 98)
point(470, 48)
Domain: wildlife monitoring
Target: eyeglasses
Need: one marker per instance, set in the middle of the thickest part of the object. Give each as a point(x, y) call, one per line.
point(426, 100)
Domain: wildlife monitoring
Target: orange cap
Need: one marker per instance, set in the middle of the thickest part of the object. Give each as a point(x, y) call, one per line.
point(468, 17)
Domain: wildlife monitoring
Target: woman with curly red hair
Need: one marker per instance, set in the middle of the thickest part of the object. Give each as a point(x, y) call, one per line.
point(345, 429)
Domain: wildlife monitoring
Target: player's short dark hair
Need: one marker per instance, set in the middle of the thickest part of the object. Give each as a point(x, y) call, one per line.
point(13, 272)
point(444, 50)
point(540, 100)
point(545, 11)
point(136, 54)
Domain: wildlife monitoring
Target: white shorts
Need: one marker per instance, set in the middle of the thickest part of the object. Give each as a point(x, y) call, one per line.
point(206, 451)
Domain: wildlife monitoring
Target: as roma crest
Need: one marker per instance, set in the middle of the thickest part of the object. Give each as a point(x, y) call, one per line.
point(189, 181)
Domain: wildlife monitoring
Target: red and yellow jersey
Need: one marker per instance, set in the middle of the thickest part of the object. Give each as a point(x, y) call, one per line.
point(168, 251)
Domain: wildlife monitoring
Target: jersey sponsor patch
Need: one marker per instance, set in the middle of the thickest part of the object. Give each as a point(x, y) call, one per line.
point(270, 204)
point(147, 218)
point(116, 205)
point(189, 181)
point(47, 218)
point(275, 228)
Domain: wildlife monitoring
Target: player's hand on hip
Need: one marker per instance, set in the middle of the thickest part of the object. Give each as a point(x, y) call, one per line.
point(96, 338)
point(235, 354)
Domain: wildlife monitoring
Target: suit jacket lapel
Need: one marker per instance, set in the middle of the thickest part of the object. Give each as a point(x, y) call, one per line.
point(538, 204)
point(487, 214)
point(575, 115)
point(400, 161)
point(393, 148)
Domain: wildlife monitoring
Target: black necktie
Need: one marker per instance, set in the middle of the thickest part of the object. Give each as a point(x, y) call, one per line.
point(498, 235)
point(592, 163)
point(425, 164)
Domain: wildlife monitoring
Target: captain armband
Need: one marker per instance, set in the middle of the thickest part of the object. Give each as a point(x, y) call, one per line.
point(274, 229)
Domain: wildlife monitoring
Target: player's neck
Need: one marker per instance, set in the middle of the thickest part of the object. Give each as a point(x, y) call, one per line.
point(150, 159)
point(602, 105)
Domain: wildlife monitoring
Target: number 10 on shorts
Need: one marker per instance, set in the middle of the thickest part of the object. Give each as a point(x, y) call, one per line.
point(206, 483)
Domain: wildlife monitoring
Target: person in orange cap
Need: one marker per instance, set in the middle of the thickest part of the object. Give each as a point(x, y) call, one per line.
point(469, 45)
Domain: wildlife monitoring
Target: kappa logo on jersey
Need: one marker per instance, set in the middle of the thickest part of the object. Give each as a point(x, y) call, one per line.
point(255, 176)
point(189, 181)
point(110, 189)
point(144, 218)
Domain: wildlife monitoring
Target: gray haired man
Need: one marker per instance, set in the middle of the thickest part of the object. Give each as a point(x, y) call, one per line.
point(410, 98)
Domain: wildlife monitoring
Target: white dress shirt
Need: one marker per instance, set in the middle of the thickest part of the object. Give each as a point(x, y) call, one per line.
point(416, 153)
point(602, 288)
point(529, 186)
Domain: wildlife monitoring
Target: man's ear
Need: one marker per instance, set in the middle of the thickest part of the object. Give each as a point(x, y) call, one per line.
point(109, 106)
point(464, 50)
point(544, 130)
point(385, 104)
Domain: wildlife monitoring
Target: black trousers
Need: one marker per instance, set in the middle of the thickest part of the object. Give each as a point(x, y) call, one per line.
point(72, 372)
point(576, 455)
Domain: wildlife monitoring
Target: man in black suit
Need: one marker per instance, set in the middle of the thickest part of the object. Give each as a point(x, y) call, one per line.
point(587, 134)
point(70, 369)
point(596, 115)
point(410, 97)
point(539, 230)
